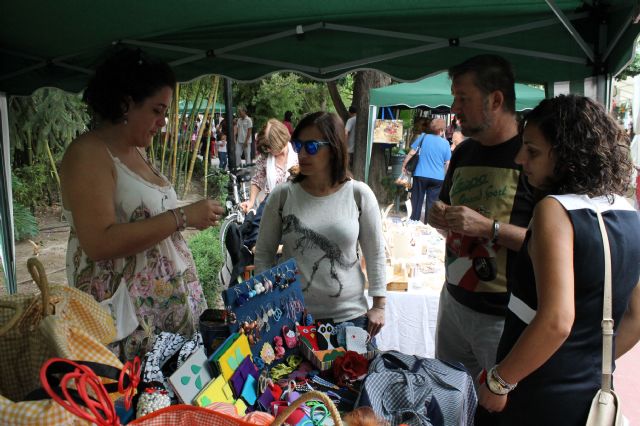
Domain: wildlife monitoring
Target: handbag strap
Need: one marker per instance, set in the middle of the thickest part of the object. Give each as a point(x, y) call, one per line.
point(607, 320)
point(422, 137)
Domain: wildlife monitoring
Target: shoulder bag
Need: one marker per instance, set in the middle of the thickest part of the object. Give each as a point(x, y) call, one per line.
point(413, 161)
point(605, 406)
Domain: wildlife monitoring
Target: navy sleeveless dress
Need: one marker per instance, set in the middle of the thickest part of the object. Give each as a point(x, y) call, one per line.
point(561, 390)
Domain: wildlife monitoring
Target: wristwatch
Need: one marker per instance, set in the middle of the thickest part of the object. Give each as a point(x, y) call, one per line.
point(496, 232)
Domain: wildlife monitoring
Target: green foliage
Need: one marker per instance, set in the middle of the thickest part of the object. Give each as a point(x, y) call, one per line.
point(43, 123)
point(281, 92)
point(32, 184)
point(24, 223)
point(209, 258)
point(633, 68)
point(217, 184)
point(49, 114)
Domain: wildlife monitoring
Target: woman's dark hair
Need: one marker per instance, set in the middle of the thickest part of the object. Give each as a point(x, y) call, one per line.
point(126, 74)
point(288, 115)
point(332, 129)
point(591, 150)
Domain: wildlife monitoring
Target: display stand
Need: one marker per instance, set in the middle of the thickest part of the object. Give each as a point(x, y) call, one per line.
point(268, 311)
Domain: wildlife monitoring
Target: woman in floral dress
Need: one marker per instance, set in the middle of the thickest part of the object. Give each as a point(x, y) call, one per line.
point(123, 213)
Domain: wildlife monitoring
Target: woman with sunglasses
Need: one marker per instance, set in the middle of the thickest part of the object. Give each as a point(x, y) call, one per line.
point(322, 218)
point(275, 162)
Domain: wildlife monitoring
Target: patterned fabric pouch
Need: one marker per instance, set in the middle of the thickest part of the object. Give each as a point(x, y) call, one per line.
point(357, 339)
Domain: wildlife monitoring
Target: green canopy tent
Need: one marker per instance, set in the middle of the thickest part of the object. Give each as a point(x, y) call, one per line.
point(60, 43)
point(432, 92)
point(220, 108)
point(435, 92)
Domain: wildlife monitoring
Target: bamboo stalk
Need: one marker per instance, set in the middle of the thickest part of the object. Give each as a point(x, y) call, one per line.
point(216, 81)
point(186, 140)
point(175, 140)
point(173, 112)
point(196, 146)
point(53, 164)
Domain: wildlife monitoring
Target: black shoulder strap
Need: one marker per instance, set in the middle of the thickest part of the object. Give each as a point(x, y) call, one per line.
point(283, 198)
point(357, 195)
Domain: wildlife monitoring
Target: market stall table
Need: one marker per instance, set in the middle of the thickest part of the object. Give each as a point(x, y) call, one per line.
point(411, 316)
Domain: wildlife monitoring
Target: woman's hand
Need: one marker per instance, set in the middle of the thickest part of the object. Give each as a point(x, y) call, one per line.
point(376, 321)
point(244, 206)
point(204, 214)
point(489, 400)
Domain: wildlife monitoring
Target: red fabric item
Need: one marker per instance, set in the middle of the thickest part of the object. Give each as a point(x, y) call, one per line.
point(349, 367)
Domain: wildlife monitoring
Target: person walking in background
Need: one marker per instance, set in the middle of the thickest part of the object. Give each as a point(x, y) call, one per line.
point(435, 154)
point(287, 121)
point(244, 127)
point(485, 205)
point(551, 346)
point(350, 132)
point(333, 215)
point(123, 212)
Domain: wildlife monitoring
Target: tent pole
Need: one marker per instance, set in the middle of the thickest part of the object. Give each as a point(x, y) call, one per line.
point(6, 203)
point(373, 113)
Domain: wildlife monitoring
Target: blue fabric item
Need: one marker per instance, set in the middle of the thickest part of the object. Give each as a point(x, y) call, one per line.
point(434, 152)
point(418, 391)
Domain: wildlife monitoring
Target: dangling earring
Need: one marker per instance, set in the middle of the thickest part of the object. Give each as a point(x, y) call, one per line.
point(126, 119)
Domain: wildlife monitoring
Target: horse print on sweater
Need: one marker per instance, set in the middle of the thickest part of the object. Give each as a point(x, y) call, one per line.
point(311, 239)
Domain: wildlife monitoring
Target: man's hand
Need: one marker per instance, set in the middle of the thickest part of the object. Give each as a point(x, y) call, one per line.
point(466, 221)
point(436, 216)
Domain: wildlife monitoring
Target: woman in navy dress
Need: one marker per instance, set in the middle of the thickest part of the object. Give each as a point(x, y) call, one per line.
point(551, 348)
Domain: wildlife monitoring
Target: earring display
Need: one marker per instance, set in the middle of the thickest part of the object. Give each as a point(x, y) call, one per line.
point(266, 304)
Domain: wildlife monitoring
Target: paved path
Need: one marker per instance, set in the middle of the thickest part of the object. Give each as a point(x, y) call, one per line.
point(627, 384)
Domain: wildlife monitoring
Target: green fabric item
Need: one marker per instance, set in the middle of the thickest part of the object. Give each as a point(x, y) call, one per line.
point(436, 91)
point(59, 43)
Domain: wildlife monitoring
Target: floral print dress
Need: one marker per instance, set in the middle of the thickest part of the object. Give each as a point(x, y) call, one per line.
point(162, 279)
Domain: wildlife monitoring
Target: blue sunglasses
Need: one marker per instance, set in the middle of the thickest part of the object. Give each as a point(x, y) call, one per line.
point(311, 146)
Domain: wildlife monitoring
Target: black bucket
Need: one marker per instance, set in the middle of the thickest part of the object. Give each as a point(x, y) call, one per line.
point(213, 329)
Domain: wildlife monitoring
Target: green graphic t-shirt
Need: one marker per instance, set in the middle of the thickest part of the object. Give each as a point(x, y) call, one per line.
point(486, 179)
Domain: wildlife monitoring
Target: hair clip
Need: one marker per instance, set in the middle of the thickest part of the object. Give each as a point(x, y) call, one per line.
point(278, 349)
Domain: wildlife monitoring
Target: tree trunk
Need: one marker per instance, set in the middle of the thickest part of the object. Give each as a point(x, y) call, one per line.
point(365, 80)
point(341, 109)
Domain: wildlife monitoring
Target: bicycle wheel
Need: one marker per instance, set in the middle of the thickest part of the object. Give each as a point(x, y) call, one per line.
point(233, 217)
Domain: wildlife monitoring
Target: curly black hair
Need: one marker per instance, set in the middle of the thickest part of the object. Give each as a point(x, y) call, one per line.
point(591, 150)
point(125, 74)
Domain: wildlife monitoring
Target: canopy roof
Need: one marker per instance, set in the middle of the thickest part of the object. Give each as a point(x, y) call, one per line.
point(435, 92)
point(220, 108)
point(58, 43)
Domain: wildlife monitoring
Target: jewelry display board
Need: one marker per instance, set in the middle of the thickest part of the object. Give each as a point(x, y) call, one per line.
point(266, 306)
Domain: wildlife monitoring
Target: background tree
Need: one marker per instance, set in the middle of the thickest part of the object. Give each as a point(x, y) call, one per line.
point(363, 82)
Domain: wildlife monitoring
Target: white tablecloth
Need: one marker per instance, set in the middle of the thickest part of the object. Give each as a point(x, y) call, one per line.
point(410, 322)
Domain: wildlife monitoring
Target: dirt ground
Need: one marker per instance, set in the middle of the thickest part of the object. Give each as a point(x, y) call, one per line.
point(50, 246)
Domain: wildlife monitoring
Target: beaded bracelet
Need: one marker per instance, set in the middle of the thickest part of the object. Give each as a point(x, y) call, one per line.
point(184, 218)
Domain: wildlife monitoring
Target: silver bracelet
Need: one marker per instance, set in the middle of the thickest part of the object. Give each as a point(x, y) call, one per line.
point(377, 307)
point(175, 216)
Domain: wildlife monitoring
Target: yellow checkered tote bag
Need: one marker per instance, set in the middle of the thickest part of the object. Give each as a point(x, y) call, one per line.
point(60, 322)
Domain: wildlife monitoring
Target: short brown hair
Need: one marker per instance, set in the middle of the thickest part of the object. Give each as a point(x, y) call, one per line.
point(274, 136)
point(332, 128)
point(490, 73)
